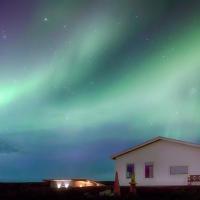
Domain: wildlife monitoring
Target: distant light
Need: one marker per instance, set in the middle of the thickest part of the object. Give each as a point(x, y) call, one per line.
point(58, 185)
point(66, 185)
point(81, 185)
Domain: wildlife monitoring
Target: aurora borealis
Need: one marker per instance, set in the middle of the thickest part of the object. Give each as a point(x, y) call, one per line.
point(83, 79)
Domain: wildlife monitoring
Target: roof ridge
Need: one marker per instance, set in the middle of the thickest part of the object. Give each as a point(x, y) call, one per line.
point(152, 140)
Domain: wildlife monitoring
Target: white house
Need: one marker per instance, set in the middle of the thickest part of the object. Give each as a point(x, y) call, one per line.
point(159, 162)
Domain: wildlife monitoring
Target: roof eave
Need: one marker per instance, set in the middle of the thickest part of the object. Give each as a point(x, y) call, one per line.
point(113, 157)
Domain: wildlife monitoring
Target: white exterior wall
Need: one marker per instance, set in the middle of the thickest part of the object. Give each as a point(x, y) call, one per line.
point(163, 154)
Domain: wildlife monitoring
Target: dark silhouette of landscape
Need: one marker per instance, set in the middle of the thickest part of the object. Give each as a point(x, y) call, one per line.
point(41, 190)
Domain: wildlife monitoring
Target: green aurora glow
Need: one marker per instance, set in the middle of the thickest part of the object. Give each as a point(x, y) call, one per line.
point(79, 73)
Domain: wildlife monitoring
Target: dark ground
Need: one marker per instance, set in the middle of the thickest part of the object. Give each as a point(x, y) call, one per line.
point(41, 191)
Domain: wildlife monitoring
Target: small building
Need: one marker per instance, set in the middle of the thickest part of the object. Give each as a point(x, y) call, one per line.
point(159, 162)
point(72, 183)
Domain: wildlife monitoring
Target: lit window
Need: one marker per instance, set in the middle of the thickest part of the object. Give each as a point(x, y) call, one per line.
point(129, 170)
point(148, 170)
point(174, 170)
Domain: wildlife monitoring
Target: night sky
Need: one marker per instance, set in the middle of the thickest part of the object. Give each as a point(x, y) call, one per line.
point(83, 79)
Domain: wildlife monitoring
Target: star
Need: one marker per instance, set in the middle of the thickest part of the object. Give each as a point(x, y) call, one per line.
point(193, 91)
point(4, 36)
point(150, 123)
point(45, 19)
point(66, 117)
point(172, 48)
point(91, 82)
point(14, 81)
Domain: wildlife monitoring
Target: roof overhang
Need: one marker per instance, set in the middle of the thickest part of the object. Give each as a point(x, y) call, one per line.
point(153, 141)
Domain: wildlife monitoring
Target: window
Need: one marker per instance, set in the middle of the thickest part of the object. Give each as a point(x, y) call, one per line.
point(174, 170)
point(129, 170)
point(148, 170)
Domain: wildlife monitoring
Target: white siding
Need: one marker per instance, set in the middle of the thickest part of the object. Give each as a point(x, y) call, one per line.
point(163, 154)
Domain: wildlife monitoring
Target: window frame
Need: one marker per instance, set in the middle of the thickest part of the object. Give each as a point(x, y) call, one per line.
point(174, 174)
point(150, 164)
point(129, 174)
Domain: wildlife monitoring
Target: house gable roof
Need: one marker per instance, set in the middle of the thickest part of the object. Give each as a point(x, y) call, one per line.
point(148, 142)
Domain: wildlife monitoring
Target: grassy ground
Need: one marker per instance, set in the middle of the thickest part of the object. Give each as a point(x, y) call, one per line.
point(43, 192)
